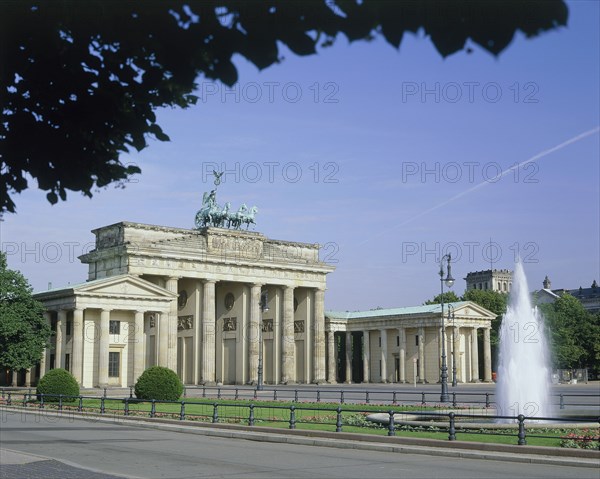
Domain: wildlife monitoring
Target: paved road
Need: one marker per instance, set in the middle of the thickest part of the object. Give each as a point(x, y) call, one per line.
point(131, 451)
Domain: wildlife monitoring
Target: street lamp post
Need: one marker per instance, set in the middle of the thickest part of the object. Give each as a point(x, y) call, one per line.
point(449, 280)
point(451, 318)
point(264, 300)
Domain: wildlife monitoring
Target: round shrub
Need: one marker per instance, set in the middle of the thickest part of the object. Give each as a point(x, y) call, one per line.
point(56, 382)
point(159, 383)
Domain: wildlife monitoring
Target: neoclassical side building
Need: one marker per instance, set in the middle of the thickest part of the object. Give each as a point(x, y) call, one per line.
point(193, 301)
point(405, 344)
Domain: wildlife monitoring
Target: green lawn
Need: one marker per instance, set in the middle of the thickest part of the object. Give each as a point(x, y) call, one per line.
point(277, 414)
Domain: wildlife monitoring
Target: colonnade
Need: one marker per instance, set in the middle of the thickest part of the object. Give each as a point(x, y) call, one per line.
point(84, 341)
point(393, 356)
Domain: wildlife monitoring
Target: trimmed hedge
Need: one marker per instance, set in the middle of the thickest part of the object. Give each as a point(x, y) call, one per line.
point(159, 383)
point(55, 382)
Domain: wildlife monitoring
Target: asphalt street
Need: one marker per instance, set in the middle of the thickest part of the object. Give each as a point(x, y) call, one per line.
point(127, 450)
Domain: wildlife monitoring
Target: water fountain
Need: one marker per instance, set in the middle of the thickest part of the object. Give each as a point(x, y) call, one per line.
point(523, 385)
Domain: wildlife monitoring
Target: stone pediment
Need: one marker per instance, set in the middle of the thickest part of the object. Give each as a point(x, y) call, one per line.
point(473, 310)
point(123, 286)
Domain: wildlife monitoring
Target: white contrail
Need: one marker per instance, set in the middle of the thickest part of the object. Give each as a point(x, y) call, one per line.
point(536, 157)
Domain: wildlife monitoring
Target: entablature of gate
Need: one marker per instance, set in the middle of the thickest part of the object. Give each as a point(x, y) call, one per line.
point(216, 253)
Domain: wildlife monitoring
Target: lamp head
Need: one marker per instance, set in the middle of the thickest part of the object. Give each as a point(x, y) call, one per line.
point(449, 279)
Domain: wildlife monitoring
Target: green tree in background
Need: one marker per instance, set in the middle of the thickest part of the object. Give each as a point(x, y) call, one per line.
point(24, 332)
point(449, 297)
point(573, 333)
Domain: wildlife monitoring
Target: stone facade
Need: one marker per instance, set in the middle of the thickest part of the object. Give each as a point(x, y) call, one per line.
point(405, 344)
point(499, 280)
point(190, 300)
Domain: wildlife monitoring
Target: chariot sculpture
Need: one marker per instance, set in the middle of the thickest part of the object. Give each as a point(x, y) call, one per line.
point(211, 214)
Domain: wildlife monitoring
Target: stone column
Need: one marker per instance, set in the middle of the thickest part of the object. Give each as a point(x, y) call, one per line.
point(487, 356)
point(139, 346)
point(348, 357)
point(61, 339)
point(383, 334)
point(287, 341)
point(162, 338)
point(15, 379)
point(77, 351)
point(208, 333)
point(197, 334)
point(319, 336)
point(421, 333)
point(366, 357)
point(402, 354)
point(28, 378)
point(43, 363)
point(254, 332)
point(171, 285)
point(474, 357)
point(103, 348)
point(331, 363)
point(459, 374)
point(44, 359)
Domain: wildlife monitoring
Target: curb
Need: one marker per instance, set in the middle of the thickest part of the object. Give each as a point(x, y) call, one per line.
point(463, 449)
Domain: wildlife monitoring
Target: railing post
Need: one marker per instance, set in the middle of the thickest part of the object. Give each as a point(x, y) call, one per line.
point(342, 397)
point(255, 393)
point(394, 402)
point(338, 423)
point(131, 392)
point(391, 425)
point(295, 395)
point(153, 408)
point(274, 394)
point(219, 393)
point(562, 402)
point(60, 405)
point(182, 411)
point(80, 405)
point(452, 428)
point(422, 399)
point(9, 399)
point(292, 417)
point(104, 394)
point(367, 400)
point(203, 391)
point(126, 407)
point(522, 441)
point(251, 416)
point(236, 394)
point(487, 400)
point(102, 405)
point(453, 399)
point(25, 400)
point(184, 392)
point(318, 395)
point(215, 413)
point(41, 401)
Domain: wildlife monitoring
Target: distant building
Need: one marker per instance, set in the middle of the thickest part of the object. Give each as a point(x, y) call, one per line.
point(499, 280)
point(589, 297)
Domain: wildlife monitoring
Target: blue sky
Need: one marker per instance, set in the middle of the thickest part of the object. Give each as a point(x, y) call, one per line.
point(360, 148)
